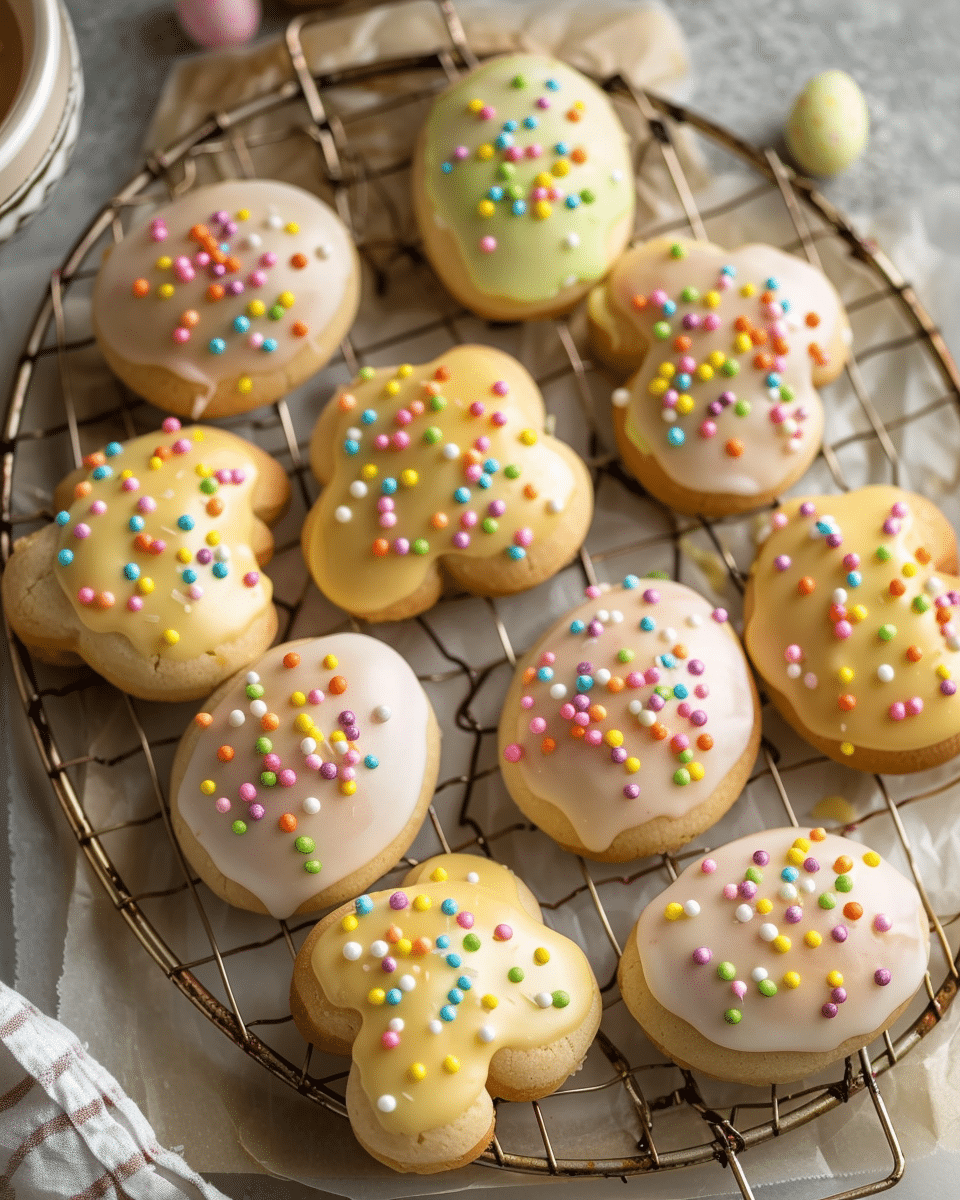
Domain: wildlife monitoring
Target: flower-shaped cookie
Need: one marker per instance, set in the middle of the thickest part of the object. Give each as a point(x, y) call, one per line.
point(444, 464)
point(447, 990)
point(729, 348)
point(851, 620)
point(633, 723)
point(776, 955)
point(308, 777)
point(150, 572)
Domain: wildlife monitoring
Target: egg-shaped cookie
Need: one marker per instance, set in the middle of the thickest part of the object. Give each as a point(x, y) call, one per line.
point(728, 348)
point(150, 571)
point(852, 620)
point(227, 298)
point(522, 187)
point(440, 469)
point(775, 955)
point(306, 778)
point(633, 723)
point(447, 990)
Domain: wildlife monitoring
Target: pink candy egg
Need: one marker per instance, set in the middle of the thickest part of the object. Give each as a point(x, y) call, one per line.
point(216, 23)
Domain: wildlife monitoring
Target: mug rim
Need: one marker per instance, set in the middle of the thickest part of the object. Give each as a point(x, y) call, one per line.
point(38, 80)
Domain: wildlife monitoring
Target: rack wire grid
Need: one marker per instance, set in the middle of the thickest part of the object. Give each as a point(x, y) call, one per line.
point(366, 187)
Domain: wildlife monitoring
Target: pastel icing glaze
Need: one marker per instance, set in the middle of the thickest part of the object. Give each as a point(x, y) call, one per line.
point(421, 462)
point(852, 624)
point(635, 705)
point(445, 972)
point(783, 943)
point(724, 398)
point(228, 280)
point(528, 167)
point(308, 767)
point(156, 545)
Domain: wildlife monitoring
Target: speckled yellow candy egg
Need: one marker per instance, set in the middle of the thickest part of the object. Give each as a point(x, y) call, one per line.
point(827, 129)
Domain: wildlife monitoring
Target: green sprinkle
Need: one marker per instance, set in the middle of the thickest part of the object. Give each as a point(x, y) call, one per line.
point(514, 191)
point(730, 368)
point(264, 745)
point(268, 779)
point(657, 575)
point(843, 883)
point(208, 486)
point(685, 756)
point(518, 81)
point(766, 987)
point(754, 874)
point(661, 330)
point(681, 777)
point(421, 546)
point(787, 393)
point(306, 845)
point(742, 408)
point(489, 525)
point(276, 312)
point(887, 632)
point(366, 373)
point(920, 604)
point(587, 196)
point(254, 691)
point(561, 999)
point(689, 295)
point(625, 656)
point(827, 900)
point(438, 403)
point(515, 975)
point(727, 971)
point(239, 827)
point(511, 471)
point(471, 942)
point(733, 1016)
point(882, 554)
point(507, 171)
point(312, 866)
point(663, 691)
point(677, 251)
point(432, 435)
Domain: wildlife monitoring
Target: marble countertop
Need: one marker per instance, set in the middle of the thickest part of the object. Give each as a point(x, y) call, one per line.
point(749, 61)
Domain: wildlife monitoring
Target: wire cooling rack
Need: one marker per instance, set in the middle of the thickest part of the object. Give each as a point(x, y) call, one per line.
point(664, 1117)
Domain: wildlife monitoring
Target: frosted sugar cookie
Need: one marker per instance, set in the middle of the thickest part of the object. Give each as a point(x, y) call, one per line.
point(633, 723)
point(523, 187)
point(442, 467)
point(776, 955)
point(851, 618)
point(446, 991)
point(228, 298)
point(728, 347)
point(151, 570)
point(306, 778)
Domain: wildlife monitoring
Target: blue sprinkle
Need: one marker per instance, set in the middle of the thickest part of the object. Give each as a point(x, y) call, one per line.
point(771, 284)
point(351, 446)
point(676, 437)
point(572, 202)
point(186, 522)
point(136, 524)
point(584, 683)
point(371, 762)
point(461, 495)
point(464, 984)
point(668, 661)
point(363, 905)
point(684, 380)
point(669, 307)
point(785, 305)
point(448, 1012)
point(789, 874)
point(368, 416)
point(62, 517)
point(449, 907)
point(854, 579)
point(241, 324)
point(518, 208)
point(545, 674)
point(443, 942)
point(510, 126)
point(220, 570)
point(394, 996)
point(455, 996)
point(225, 247)
point(189, 575)
point(553, 85)
point(495, 193)
point(65, 558)
point(484, 481)
point(516, 552)
point(112, 449)
point(269, 345)
point(217, 345)
point(491, 466)
point(102, 472)
point(648, 624)
point(132, 571)
point(631, 582)
point(824, 527)
point(454, 960)
point(562, 148)
point(680, 692)
point(730, 272)
point(504, 141)
point(577, 626)
point(773, 380)
point(530, 122)
point(446, 168)
point(388, 486)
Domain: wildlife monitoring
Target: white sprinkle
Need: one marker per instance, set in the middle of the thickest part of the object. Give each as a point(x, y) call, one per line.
point(308, 745)
point(311, 806)
point(934, 586)
point(793, 671)
point(354, 433)
point(758, 974)
point(558, 691)
point(473, 877)
point(486, 1033)
point(839, 595)
point(810, 681)
point(395, 1024)
point(407, 983)
point(572, 240)
point(258, 708)
point(236, 718)
point(343, 514)
point(253, 677)
point(275, 221)
point(602, 676)
point(768, 931)
point(620, 398)
point(222, 553)
point(254, 241)
point(324, 251)
point(787, 429)
point(341, 745)
point(669, 415)
point(616, 175)
point(352, 951)
point(808, 885)
point(435, 1026)
point(647, 717)
point(451, 450)
point(744, 913)
point(616, 616)
point(555, 506)
point(691, 908)
point(635, 707)
point(358, 489)
point(570, 281)
point(382, 713)
point(386, 1103)
point(543, 999)
point(787, 892)
point(668, 634)
point(953, 642)
point(379, 948)
point(694, 620)
point(603, 615)
point(885, 673)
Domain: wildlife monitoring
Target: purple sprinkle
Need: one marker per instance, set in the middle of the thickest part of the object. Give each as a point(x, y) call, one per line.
point(720, 615)
point(702, 955)
point(351, 733)
point(761, 858)
point(899, 509)
point(388, 964)
point(727, 398)
point(714, 408)
point(461, 540)
point(204, 555)
point(811, 866)
point(595, 628)
point(691, 321)
point(747, 889)
point(947, 687)
point(807, 508)
point(882, 977)
point(618, 754)
point(794, 914)
point(829, 1010)
point(838, 995)
point(851, 561)
point(882, 923)
point(398, 901)
point(631, 791)
point(584, 668)
point(655, 703)
point(581, 703)
point(834, 540)
point(782, 562)
point(891, 526)
point(695, 666)
point(329, 770)
point(347, 717)
point(698, 717)
point(652, 596)
point(256, 811)
point(839, 933)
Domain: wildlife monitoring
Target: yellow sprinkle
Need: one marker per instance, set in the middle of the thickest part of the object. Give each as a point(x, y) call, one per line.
point(256, 308)
point(302, 723)
point(812, 938)
point(404, 946)
point(348, 787)
point(542, 209)
point(145, 585)
point(208, 787)
point(943, 671)
point(409, 477)
point(287, 299)
point(171, 637)
point(376, 996)
point(438, 875)
point(872, 858)
point(331, 662)
point(791, 979)
point(717, 359)
point(164, 263)
point(156, 463)
point(685, 404)
point(835, 979)
point(658, 386)
point(349, 923)
point(742, 343)
point(391, 388)
point(528, 437)
point(485, 151)
point(489, 1001)
point(696, 770)
point(613, 738)
point(543, 179)
point(475, 106)
point(748, 290)
point(541, 956)
point(795, 857)
point(451, 1064)
point(198, 435)
point(781, 944)
point(486, 208)
point(315, 733)
point(910, 569)
point(801, 843)
point(859, 612)
point(417, 1071)
point(421, 903)
point(712, 299)
point(204, 470)
point(667, 370)
point(673, 911)
point(369, 471)
point(845, 674)
point(764, 906)
point(212, 538)
point(338, 736)
point(165, 291)
point(405, 370)
point(704, 371)
point(298, 699)
point(245, 385)
point(847, 748)
point(243, 214)
point(184, 555)
point(126, 474)
point(292, 227)
point(632, 766)
point(561, 167)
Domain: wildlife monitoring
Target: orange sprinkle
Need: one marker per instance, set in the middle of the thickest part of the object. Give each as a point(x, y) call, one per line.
point(944, 615)
point(141, 288)
point(225, 754)
point(576, 731)
point(682, 343)
point(579, 155)
point(105, 600)
point(98, 458)
point(837, 612)
point(597, 712)
point(214, 507)
point(422, 946)
point(767, 298)
point(734, 447)
point(843, 864)
point(759, 338)
point(162, 452)
point(298, 262)
point(818, 835)
point(574, 114)
point(742, 325)
point(338, 685)
point(190, 318)
point(852, 911)
point(762, 361)
point(439, 520)
point(897, 587)
point(288, 822)
point(639, 302)
point(381, 547)
point(431, 388)
point(442, 373)
point(197, 232)
point(204, 720)
point(83, 488)
point(705, 742)
point(298, 329)
point(548, 745)
point(143, 541)
point(812, 320)
point(529, 674)
point(914, 653)
point(680, 650)
point(269, 722)
point(847, 703)
point(530, 491)
point(615, 684)
point(659, 731)
point(806, 585)
point(922, 555)
point(215, 291)
point(394, 934)
point(346, 402)
point(291, 660)
point(232, 264)
point(781, 345)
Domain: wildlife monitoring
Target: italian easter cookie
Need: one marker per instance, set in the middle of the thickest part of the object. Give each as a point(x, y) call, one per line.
point(522, 187)
point(228, 298)
point(447, 991)
point(775, 956)
point(851, 619)
point(440, 467)
point(151, 570)
point(633, 723)
point(306, 778)
point(728, 348)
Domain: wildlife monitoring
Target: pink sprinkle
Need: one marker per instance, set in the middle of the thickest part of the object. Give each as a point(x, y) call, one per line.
point(635, 679)
point(157, 546)
point(708, 429)
point(547, 659)
point(794, 914)
point(347, 773)
point(502, 933)
point(257, 812)
point(897, 711)
point(255, 340)
point(218, 270)
point(698, 717)
point(720, 615)
point(465, 920)
point(181, 335)
point(468, 519)
point(899, 509)
point(631, 791)
point(914, 706)
point(257, 279)
point(403, 417)
point(711, 321)
point(248, 792)
point(130, 484)
point(287, 778)
point(543, 102)
point(592, 592)
point(882, 977)
point(729, 891)
point(487, 113)
point(158, 233)
point(251, 579)
point(416, 407)
point(687, 363)
point(679, 742)
point(235, 287)
point(223, 805)
point(882, 923)
point(533, 150)
point(702, 955)
point(778, 414)
point(181, 446)
point(98, 508)
point(81, 530)
point(593, 736)
point(708, 866)
point(461, 540)
point(390, 1040)
point(170, 425)
point(272, 762)
point(582, 719)
point(655, 703)
point(496, 508)
point(739, 988)
point(86, 595)
point(488, 244)
point(651, 676)
point(499, 419)
point(683, 709)
point(388, 964)
point(460, 153)
point(702, 691)
point(135, 603)
point(526, 702)
point(313, 762)
point(400, 440)
point(523, 537)
point(401, 546)
point(352, 757)
point(515, 153)
point(202, 258)
point(782, 562)
point(268, 259)
point(195, 591)
point(851, 561)
point(567, 711)
point(778, 520)
point(513, 753)
point(381, 441)
point(476, 409)
point(842, 630)
point(807, 508)
point(315, 696)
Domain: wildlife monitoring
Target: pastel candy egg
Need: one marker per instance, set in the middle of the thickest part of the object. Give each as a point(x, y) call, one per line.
point(215, 23)
point(828, 126)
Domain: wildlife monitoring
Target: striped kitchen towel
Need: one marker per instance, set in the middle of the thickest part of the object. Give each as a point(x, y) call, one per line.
point(66, 1127)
